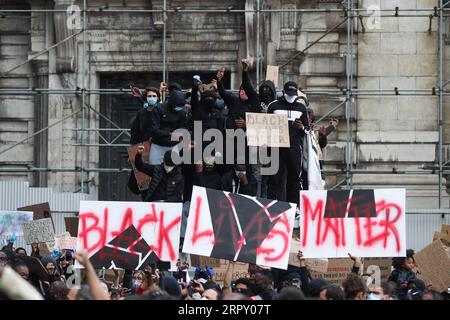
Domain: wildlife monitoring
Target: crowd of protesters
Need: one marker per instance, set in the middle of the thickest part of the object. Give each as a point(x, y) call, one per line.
point(161, 112)
point(56, 279)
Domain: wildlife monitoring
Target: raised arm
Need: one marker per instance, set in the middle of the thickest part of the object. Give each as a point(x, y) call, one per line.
point(140, 165)
point(252, 95)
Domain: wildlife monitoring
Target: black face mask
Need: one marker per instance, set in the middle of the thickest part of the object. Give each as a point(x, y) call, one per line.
point(209, 103)
point(209, 168)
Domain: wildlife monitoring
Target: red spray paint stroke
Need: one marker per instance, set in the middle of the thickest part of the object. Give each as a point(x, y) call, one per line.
point(285, 238)
point(333, 224)
point(284, 235)
point(342, 232)
point(85, 231)
point(307, 208)
point(389, 225)
point(197, 235)
point(163, 236)
point(127, 221)
point(148, 218)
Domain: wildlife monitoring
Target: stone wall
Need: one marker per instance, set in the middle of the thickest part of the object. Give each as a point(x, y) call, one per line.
point(388, 132)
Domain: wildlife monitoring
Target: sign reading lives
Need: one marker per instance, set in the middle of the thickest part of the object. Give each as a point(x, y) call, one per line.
point(265, 129)
point(129, 235)
point(366, 223)
point(240, 228)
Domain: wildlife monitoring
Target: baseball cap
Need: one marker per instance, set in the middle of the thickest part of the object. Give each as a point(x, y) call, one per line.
point(290, 88)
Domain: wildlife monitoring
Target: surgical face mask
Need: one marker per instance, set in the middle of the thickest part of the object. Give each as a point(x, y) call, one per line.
point(203, 298)
point(373, 296)
point(136, 283)
point(196, 296)
point(289, 99)
point(178, 108)
point(168, 168)
point(152, 101)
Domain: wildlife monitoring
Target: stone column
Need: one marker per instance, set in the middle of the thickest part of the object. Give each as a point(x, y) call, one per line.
point(40, 122)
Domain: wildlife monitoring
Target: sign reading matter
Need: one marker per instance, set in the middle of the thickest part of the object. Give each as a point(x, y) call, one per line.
point(240, 228)
point(366, 223)
point(11, 222)
point(37, 231)
point(265, 129)
point(129, 235)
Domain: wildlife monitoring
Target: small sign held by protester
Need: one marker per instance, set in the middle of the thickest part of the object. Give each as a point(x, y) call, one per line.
point(37, 231)
point(267, 130)
point(272, 74)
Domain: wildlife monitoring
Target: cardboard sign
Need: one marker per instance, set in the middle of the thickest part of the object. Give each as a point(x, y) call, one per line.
point(40, 211)
point(267, 129)
point(318, 265)
point(240, 228)
point(129, 235)
point(337, 271)
point(445, 232)
point(65, 241)
point(433, 264)
point(367, 223)
point(204, 261)
point(37, 231)
point(143, 180)
point(272, 74)
point(240, 270)
point(11, 222)
point(71, 225)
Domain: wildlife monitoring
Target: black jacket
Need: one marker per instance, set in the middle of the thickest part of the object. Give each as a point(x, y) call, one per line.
point(249, 189)
point(163, 186)
point(213, 118)
point(141, 126)
point(236, 107)
point(254, 98)
point(165, 120)
point(210, 180)
point(293, 111)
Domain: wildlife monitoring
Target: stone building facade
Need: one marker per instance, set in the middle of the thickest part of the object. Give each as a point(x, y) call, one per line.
point(398, 132)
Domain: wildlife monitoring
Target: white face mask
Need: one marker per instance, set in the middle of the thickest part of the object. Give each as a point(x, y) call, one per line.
point(290, 99)
point(196, 296)
point(239, 172)
point(203, 298)
point(168, 168)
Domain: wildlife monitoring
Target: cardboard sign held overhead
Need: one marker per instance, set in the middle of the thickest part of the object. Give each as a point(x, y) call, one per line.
point(40, 211)
point(129, 235)
point(367, 223)
point(37, 231)
point(445, 232)
point(240, 228)
point(11, 222)
point(266, 129)
point(65, 241)
point(272, 74)
point(433, 264)
point(71, 225)
point(143, 180)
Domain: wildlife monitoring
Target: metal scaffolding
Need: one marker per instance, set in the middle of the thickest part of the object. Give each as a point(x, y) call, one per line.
point(351, 14)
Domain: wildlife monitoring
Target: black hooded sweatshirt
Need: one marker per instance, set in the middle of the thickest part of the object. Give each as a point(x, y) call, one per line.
point(166, 119)
point(237, 107)
point(254, 98)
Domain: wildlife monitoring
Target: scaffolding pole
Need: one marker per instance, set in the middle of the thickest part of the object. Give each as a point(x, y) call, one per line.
point(440, 101)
